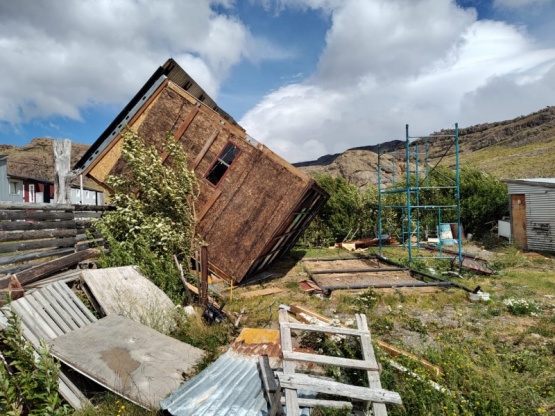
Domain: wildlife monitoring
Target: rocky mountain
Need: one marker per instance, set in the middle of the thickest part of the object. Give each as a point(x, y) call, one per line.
point(36, 159)
point(520, 148)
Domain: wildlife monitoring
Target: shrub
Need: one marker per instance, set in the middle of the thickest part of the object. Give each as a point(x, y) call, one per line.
point(154, 217)
point(28, 386)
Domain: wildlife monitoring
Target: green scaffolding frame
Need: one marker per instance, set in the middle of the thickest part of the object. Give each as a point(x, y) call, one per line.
point(410, 182)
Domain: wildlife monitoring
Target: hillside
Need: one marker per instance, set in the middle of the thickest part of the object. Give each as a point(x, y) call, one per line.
point(520, 148)
point(36, 159)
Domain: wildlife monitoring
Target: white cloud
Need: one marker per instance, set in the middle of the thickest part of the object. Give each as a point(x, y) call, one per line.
point(61, 56)
point(388, 63)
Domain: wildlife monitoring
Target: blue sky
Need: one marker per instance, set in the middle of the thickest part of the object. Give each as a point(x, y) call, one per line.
point(305, 77)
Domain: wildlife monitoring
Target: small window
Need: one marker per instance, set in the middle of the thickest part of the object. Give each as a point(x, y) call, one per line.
point(14, 188)
point(222, 164)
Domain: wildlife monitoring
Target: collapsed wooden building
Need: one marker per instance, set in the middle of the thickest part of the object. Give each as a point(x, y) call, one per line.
point(253, 205)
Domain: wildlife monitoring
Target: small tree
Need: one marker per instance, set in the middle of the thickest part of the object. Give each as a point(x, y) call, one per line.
point(154, 215)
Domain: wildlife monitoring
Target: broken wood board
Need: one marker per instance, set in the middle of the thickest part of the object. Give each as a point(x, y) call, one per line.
point(128, 358)
point(125, 291)
point(262, 292)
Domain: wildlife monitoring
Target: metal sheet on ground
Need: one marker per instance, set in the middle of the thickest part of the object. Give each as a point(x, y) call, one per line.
point(125, 291)
point(128, 358)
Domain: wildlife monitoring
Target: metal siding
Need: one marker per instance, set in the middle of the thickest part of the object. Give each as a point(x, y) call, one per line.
point(230, 386)
point(540, 220)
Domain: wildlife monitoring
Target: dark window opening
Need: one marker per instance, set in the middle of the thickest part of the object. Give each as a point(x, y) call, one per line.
point(222, 164)
point(187, 85)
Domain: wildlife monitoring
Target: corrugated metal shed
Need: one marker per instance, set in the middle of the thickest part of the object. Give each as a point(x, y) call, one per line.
point(538, 195)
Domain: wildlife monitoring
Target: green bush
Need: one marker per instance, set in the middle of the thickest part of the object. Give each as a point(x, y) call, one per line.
point(28, 385)
point(154, 217)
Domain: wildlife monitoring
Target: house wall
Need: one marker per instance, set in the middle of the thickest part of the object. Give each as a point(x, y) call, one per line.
point(5, 185)
point(540, 215)
point(89, 197)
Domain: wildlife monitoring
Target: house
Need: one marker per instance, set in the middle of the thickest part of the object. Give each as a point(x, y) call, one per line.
point(16, 187)
point(532, 213)
point(253, 205)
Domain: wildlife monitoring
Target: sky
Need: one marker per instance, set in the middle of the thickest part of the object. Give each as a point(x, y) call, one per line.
point(305, 77)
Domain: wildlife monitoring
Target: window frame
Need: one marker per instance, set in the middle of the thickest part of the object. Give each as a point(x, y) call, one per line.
point(32, 193)
point(219, 159)
point(17, 187)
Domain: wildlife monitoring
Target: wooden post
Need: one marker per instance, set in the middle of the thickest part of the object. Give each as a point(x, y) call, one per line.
point(62, 159)
point(204, 275)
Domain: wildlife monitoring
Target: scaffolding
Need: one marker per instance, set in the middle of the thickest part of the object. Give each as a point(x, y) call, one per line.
point(406, 205)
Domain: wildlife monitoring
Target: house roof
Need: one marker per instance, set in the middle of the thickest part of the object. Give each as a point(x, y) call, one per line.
point(170, 70)
point(545, 182)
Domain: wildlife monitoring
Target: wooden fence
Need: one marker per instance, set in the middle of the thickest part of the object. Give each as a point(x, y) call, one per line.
point(34, 234)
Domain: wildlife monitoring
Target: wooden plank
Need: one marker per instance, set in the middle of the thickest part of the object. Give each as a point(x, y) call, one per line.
point(37, 332)
point(60, 310)
point(306, 382)
point(304, 357)
point(42, 206)
point(128, 358)
point(33, 245)
point(271, 387)
point(208, 205)
point(35, 235)
point(262, 292)
point(291, 396)
point(300, 309)
point(327, 329)
point(35, 215)
point(334, 404)
point(204, 149)
point(44, 314)
point(50, 267)
point(17, 258)
point(72, 298)
point(25, 309)
point(35, 225)
point(64, 301)
point(39, 296)
point(125, 291)
point(374, 382)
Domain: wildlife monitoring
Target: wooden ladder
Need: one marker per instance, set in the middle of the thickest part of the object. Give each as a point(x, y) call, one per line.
point(291, 381)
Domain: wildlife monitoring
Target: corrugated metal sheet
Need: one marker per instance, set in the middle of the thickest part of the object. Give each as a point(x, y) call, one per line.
point(231, 386)
point(526, 186)
point(540, 220)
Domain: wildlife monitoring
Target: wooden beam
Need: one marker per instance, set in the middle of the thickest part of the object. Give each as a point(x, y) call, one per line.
point(306, 382)
point(334, 404)
point(50, 267)
point(208, 205)
point(204, 149)
point(181, 130)
point(327, 329)
point(304, 357)
point(261, 292)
